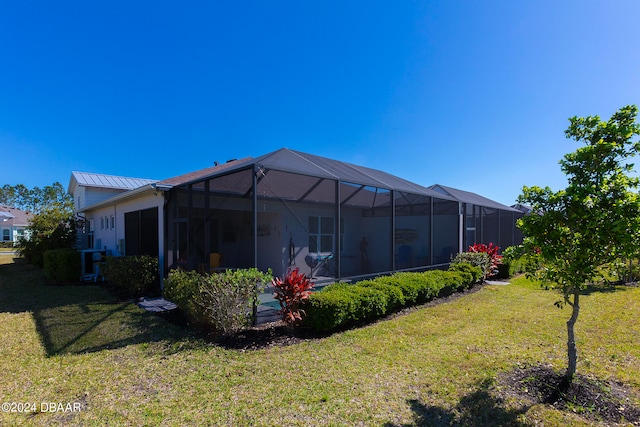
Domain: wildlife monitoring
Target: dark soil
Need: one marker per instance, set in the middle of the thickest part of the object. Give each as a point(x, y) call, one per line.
point(596, 400)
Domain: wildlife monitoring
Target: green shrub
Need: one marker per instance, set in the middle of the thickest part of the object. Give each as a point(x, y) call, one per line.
point(407, 284)
point(62, 265)
point(478, 259)
point(475, 271)
point(227, 299)
point(132, 274)
point(370, 302)
point(459, 280)
point(520, 261)
point(341, 303)
point(52, 228)
point(182, 288)
point(438, 283)
point(328, 309)
point(395, 297)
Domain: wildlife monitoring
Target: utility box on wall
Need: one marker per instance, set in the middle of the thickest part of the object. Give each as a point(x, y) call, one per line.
point(89, 259)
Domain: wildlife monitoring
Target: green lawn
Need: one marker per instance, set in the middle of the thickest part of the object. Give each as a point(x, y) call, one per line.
point(434, 366)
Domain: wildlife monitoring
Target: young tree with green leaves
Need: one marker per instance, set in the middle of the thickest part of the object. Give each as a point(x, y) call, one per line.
point(592, 222)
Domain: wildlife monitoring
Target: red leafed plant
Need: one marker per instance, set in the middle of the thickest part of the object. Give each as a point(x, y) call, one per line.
point(490, 250)
point(291, 292)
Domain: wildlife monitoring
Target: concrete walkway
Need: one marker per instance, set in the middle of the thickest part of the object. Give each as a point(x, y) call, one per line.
point(496, 282)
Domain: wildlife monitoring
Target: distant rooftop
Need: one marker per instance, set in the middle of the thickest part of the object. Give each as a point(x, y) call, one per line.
point(16, 216)
point(469, 197)
point(110, 181)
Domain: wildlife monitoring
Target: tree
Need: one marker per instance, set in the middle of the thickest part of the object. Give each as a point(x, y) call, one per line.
point(35, 199)
point(52, 226)
point(592, 222)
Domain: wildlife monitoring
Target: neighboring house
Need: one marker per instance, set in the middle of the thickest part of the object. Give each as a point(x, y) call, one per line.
point(525, 209)
point(13, 224)
point(288, 209)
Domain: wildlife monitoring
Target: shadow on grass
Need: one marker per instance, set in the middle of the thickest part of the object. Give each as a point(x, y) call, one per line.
point(479, 408)
point(604, 288)
point(82, 318)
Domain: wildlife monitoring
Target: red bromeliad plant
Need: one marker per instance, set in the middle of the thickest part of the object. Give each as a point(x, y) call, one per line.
point(490, 250)
point(290, 293)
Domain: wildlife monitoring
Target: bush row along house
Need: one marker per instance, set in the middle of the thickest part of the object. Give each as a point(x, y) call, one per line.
point(13, 224)
point(288, 209)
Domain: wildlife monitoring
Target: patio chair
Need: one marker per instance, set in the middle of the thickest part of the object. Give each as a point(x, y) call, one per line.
point(214, 261)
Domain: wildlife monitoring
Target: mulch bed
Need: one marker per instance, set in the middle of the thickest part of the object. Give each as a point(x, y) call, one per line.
point(591, 398)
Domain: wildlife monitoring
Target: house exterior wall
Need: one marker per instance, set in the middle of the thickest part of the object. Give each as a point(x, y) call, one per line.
point(109, 223)
point(84, 196)
point(12, 233)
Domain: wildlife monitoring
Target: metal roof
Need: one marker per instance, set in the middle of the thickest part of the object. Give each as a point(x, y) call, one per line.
point(469, 197)
point(202, 173)
point(110, 181)
point(287, 160)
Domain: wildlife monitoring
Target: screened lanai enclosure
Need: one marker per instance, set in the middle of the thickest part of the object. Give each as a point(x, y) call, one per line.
point(484, 220)
point(330, 219)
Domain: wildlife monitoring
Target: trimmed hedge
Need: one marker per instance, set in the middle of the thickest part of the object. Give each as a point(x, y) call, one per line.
point(475, 271)
point(341, 304)
point(62, 265)
point(132, 274)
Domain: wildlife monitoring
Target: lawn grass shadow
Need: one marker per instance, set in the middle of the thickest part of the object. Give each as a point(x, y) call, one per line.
point(75, 319)
point(478, 408)
point(604, 288)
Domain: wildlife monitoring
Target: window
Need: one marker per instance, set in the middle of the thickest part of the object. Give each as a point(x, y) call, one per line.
point(6, 235)
point(113, 222)
point(141, 232)
point(101, 223)
point(321, 233)
point(90, 234)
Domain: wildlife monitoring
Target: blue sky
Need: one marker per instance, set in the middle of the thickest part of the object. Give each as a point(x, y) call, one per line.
point(470, 94)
